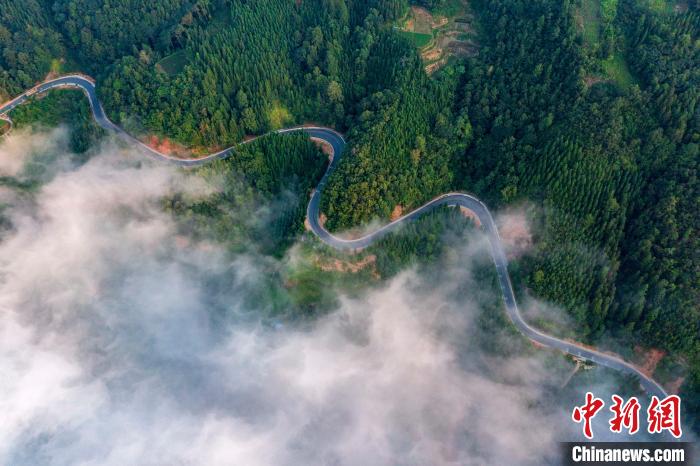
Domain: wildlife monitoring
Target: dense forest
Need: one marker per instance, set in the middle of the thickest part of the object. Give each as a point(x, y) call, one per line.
point(274, 171)
point(62, 107)
point(28, 42)
point(597, 127)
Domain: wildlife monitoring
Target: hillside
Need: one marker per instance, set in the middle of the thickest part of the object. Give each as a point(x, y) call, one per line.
point(586, 112)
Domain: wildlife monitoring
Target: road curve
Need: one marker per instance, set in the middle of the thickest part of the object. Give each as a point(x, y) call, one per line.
point(337, 142)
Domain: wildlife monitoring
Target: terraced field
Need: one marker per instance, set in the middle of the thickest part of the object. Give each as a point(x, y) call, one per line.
point(440, 37)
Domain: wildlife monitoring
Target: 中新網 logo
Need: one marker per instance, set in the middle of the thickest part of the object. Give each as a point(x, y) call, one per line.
point(662, 415)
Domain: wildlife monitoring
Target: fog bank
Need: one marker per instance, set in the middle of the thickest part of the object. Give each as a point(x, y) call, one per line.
point(114, 351)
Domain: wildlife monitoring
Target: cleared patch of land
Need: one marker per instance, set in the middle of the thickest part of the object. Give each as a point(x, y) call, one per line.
point(589, 21)
point(418, 39)
point(667, 6)
point(166, 146)
point(616, 69)
point(397, 212)
point(346, 266)
point(440, 34)
point(591, 17)
point(173, 63)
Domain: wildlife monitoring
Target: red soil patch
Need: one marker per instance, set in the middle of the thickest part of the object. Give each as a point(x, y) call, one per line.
point(470, 215)
point(410, 25)
point(432, 54)
point(424, 20)
point(537, 344)
point(325, 147)
point(337, 265)
point(650, 359)
point(168, 147)
point(591, 80)
point(397, 212)
point(433, 67)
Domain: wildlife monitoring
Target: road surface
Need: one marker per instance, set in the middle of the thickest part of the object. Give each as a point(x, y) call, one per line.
point(337, 142)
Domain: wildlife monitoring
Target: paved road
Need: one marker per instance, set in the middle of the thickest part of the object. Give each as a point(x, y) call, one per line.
point(338, 143)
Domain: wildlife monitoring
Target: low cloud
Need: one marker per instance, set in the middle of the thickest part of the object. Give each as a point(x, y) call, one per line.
point(120, 346)
point(546, 316)
point(515, 230)
point(22, 144)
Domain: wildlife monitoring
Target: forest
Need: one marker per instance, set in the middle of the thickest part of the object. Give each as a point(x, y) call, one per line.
point(609, 164)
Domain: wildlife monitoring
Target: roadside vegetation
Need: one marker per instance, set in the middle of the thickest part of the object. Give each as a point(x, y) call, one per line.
point(68, 107)
point(274, 171)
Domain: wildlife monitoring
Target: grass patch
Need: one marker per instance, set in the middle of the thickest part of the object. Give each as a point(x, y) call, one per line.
point(417, 39)
point(57, 66)
point(591, 14)
point(173, 63)
point(279, 116)
point(608, 10)
point(661, 6)
point(616, 69)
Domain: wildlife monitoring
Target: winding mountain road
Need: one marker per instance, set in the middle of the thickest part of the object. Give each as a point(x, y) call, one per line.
point(338, 144)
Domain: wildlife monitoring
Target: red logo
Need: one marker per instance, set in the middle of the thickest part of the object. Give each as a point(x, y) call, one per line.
point(626, 416)
point(665, 415)
point(661, 415)
point(587, 412)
